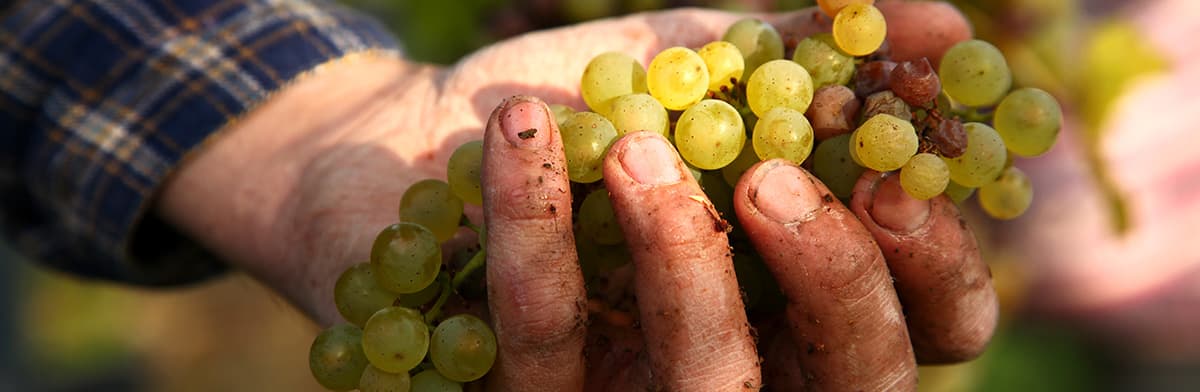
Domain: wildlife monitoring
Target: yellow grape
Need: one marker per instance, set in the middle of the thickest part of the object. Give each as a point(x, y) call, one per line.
point(610, 75)
point(710, 134)
point(779, 83)
point(982, 161)
point(677, 77)
point(885, 142)
point(725, 64)
point(859, 29)
point(639, 112)
point(1009, 196)
point(924, 176)
point(783, 133)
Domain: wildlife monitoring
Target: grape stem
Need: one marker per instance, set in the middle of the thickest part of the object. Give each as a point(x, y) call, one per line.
point(436, 309)
point(476, 261)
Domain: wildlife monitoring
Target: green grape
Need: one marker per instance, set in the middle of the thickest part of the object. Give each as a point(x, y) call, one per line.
point(835, 168)
point(418, 299)
point(957, 192)
point(827, 65)
point(432, 381)
point(677, 77)
point(982, 161)
point(779, 83)
point(732, 172)
point(724, 62)
point(586, 137)
point(336, 357)
point(783, 133)
point(595, 258)
point(406, 258)
point(597, 220)
point(758, 42)
point(395, 339)
point(463, 348)
point(974, 73)
point(924, 176)
point(831, 7)
point(462, 172)
point(430, 203)
point(710, 134)
point(610, 75)
point(560, 112)
point(885, 142)
point(639, 112)
point(859, 29)
point(1008, 197)
point(357, 294)
point(375, 380)
point(694, 171)
point(1028, 120)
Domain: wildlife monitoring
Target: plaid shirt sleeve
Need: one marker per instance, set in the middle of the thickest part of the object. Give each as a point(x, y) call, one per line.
point(100, 100)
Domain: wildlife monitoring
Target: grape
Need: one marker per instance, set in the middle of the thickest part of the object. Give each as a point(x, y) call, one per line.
point(779, 83)
point(586, 137)
point(595, 258)
point(375, 380)
point(831, 7)
point(462, 172)
point(758, 41)
point(925, 176)
point(915, 82)
point(610, 75)
point(597, 220)
point(357, 294)
point(430, 203)
point(1028, 120)
point(974, 73)
point(957, 192)
point(336, 357)
point(886, 102)
point(406, 257)
point(746, 158)
point(560, 112)
point(724, 62)
point(463, 348)
point(710, 134)
point(872, 77)
point(859, 29)
point(823, 61)
point(677, 77)
point(949, 137)
point(432, 381)
point(983, 159)
point(885, 143)
point(783, 133)
point(639, 112)
point(395, 339)
point(834, 166)
point(833, 111)
point(1008, 197)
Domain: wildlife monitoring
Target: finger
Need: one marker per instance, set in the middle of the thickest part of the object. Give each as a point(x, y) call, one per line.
point(944, 285)
point(535, 287)
point(842, 310)
point(915, 29)
point(691, 311)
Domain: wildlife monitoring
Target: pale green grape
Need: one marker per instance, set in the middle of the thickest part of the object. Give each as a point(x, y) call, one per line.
point(732, 172)
point(779, 83)
point(610, 75)
point(1028, 120)
point(357, 294)
point(597, 220)
point(974, 73)
point(831, 7)
point(957, 192)
point(432, 381)
point(395, 339)
point(783, 133)
point(859, 29)
point(430, 203)
point(560, 112)
point(639, 112)
point(462, 172)
point(1009, 196)
point(724, 62)
point(924, 176)
point(418, 299)
point(595, 258)
point(375, 380)
point(885, 142)
point(463, 348)
point(710, 134)
point(834, 166)
point(406, 257)
point(586, 137)
point(982, 161)
point(677, 78)
point(336, 357)
point(818, 54)
point(758, 42)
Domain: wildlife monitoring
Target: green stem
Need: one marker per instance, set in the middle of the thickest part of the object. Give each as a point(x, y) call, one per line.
point(436, 310)
point(464, 221)
point(476, 261)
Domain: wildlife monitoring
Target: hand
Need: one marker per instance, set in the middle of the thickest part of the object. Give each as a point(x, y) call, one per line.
point(312, 194)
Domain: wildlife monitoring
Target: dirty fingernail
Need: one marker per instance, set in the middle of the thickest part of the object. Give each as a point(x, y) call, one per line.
point(893, 209)
point(649, 160)
point(526, 124)
point(785, 194)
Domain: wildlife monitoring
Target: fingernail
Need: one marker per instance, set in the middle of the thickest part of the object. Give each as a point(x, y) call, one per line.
point(893, 209)
point(649, 160)
point(785, 194)
point(526, 124)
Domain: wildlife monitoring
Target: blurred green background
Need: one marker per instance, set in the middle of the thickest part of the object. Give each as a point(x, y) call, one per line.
point(59, 333)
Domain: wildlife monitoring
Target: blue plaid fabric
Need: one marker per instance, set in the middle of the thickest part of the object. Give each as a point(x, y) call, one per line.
point(100, 99)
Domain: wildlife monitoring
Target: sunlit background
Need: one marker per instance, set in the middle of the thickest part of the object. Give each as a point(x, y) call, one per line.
point(58, 333)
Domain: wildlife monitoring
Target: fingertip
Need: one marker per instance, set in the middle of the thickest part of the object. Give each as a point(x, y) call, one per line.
point(917, 29)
